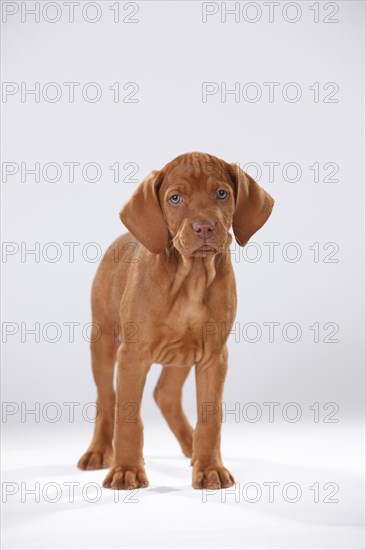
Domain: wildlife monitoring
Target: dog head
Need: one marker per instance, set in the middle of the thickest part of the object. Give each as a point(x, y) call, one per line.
point(193, 201)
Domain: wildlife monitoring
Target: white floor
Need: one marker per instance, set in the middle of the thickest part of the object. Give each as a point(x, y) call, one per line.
point(170, 514)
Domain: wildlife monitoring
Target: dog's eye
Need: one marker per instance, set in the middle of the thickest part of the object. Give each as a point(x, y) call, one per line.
point(175, 199)
point(221, 194)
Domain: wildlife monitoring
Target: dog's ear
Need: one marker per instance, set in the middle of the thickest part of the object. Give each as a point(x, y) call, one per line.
point(253, 205)
point(143, 217)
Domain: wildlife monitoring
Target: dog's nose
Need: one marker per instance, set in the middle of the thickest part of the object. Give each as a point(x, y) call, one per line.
point(204, 228)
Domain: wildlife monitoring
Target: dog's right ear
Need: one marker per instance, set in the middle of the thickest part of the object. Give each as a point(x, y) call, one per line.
point(143, 217)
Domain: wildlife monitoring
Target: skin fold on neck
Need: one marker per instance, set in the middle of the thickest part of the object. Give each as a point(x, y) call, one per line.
point(194, 275)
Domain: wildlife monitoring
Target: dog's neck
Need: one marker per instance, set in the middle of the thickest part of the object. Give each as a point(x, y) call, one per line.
point(196, 274)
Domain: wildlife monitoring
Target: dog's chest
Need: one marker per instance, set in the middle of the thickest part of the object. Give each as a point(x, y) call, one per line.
point(181, 334)
point(193, 302)
point(181, 342)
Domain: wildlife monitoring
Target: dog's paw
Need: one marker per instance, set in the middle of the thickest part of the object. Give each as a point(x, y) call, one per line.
point(211, 477)
point(96, 460)
point(126, 478)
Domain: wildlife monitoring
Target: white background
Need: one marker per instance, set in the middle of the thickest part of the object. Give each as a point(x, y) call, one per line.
point(169, 52)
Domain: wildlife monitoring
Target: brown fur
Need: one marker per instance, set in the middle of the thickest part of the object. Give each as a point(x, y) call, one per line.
point(182, 283)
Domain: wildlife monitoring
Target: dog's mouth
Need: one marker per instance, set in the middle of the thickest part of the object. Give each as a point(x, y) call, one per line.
point(189, 246)
point(205, 249)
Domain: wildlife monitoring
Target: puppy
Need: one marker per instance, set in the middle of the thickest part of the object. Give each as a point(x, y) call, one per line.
point(158, 295)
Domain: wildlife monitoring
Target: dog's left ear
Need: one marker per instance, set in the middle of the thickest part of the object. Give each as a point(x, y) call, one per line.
point(253, 205)
point(143, 217)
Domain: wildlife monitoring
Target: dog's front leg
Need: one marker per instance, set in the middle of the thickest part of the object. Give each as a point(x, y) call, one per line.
point(208, 469)
point(127, 470)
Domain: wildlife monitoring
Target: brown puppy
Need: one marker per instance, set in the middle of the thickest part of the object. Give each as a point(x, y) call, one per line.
point(166, 284)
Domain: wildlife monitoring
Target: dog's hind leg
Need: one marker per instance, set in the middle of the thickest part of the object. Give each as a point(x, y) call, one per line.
point(103, 351)
point(168, 396)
